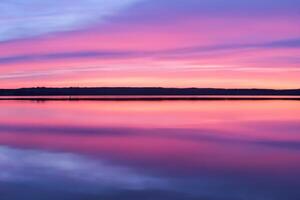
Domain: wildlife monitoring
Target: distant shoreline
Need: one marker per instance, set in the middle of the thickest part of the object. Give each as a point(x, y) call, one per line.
point(149, 98)
point(143, 91)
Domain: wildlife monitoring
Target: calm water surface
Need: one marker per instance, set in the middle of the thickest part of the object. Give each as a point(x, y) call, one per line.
point(156, 150)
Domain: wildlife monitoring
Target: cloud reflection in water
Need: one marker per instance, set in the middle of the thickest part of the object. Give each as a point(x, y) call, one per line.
point(210, 150)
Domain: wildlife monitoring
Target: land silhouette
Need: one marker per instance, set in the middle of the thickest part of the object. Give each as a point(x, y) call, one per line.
point(144, 91)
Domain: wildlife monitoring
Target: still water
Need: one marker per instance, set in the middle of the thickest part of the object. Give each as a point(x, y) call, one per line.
point(153, 150)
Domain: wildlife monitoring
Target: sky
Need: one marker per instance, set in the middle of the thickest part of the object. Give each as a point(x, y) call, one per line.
point(160, 43)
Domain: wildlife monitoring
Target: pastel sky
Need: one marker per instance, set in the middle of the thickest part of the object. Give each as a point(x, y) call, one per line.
point(168, 43)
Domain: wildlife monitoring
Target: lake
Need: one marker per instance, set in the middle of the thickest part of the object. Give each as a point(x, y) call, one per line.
point(154, 150)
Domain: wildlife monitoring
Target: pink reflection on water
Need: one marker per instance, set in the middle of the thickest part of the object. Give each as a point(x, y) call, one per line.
point(250, 137)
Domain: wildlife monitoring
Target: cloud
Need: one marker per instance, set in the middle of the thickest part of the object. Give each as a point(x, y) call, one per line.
point(287, 43)
point(291, 43)
point(121, 54)
point(154, 11)
point(68, 55)
point(21, 19)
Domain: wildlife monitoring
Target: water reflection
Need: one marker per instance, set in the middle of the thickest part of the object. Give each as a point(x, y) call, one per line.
point(214, 150)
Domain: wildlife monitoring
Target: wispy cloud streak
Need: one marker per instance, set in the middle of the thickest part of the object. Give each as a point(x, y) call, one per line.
point(46, 40)
point(21, 19)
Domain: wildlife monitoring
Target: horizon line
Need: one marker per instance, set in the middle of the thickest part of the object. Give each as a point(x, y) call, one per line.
point(146, 87)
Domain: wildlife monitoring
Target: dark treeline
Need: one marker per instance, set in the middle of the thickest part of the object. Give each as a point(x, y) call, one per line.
point(41, 91)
